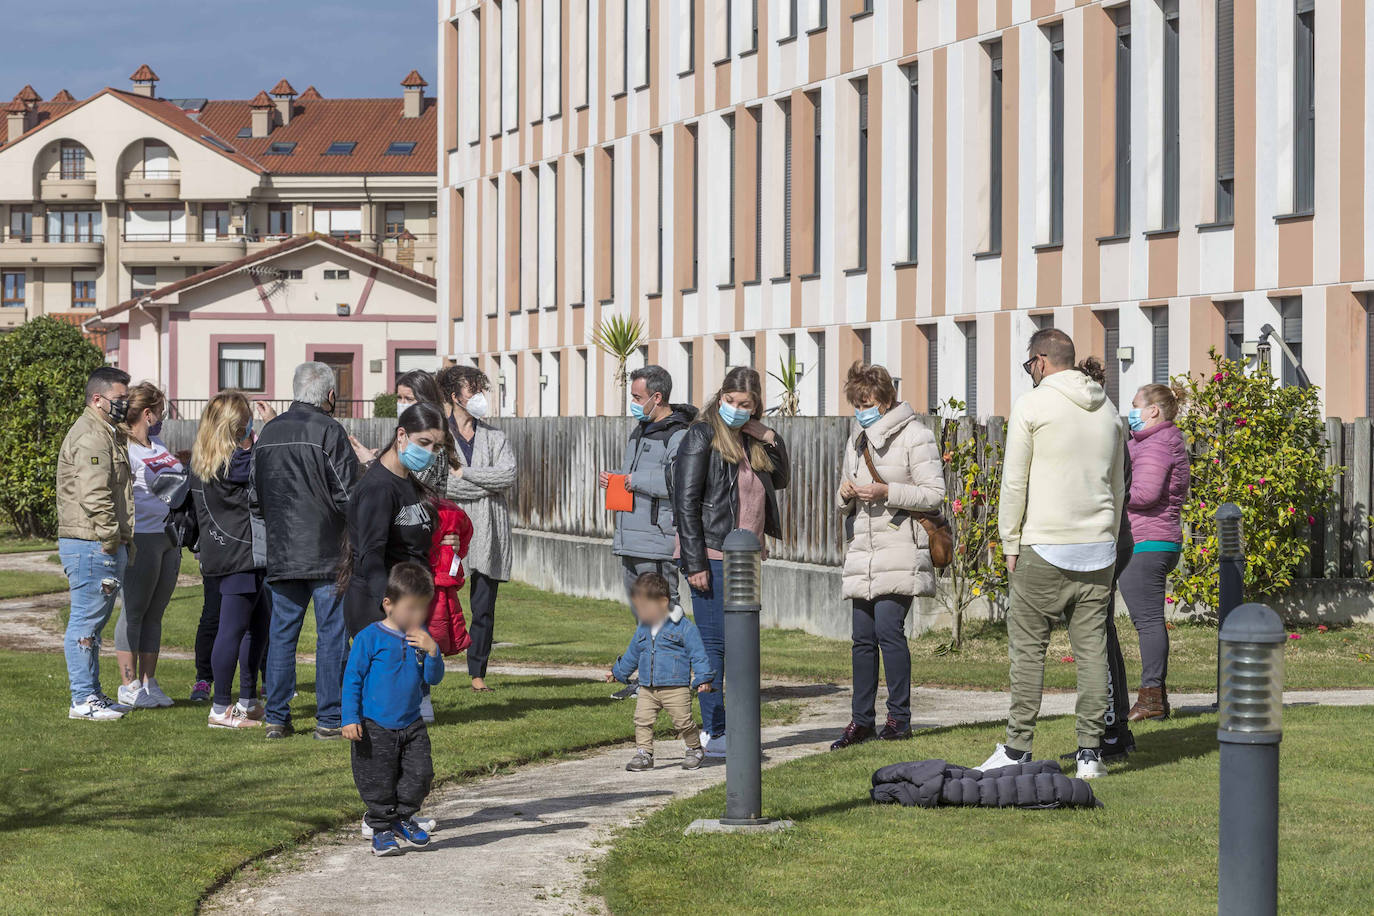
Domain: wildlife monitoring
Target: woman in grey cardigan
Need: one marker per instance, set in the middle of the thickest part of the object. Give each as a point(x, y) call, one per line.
point(479, 488)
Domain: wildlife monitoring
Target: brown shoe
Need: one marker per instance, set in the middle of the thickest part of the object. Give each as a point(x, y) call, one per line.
point(1150, 703)
point(853, 734)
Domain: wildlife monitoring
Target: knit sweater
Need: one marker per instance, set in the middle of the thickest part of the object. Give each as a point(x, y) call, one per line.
point(1063, 479)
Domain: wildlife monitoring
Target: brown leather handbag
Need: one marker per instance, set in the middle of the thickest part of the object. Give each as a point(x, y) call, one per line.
point(939, 534)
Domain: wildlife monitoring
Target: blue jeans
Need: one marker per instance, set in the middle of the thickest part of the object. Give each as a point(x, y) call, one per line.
point(708, 611)
point(289, 598)
point(95, 577)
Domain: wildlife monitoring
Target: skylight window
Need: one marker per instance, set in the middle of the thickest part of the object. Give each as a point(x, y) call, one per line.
point(401, 148)
point(245, 132)
point(341, 148)
point(216, 141)
point(282, 148)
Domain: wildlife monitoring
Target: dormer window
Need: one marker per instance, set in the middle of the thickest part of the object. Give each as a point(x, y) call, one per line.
point(341, 148)
point(244, 133)
point(401, 148)
point(281, 148)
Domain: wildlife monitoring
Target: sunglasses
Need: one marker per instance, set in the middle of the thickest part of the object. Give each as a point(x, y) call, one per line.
point(1028, 364)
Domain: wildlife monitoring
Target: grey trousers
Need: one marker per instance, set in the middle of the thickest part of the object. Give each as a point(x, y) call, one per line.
point(634, 567)
point(148, 584)
point(1143, 583)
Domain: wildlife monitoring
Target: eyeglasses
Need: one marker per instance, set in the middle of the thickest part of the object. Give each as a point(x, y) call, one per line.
point(1028, 364)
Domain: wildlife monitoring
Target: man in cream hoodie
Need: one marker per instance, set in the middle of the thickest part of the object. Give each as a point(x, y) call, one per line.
point(1063, 486)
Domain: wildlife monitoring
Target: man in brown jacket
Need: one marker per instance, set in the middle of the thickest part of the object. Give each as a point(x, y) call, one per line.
point(95, 526)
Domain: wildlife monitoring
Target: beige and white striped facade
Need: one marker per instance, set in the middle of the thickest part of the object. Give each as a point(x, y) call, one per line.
point(571, 130)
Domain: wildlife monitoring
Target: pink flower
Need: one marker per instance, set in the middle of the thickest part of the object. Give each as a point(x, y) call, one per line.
point(1294, 636)
point(1311, 520)
point(1204, 550)
point(1321, 628)
point(1217, 377)
point(1168, 599)
point(1263, 481)
point(1241, 421)
point(1291, 510)
point(1250, 487)
point(958, 506)
point(1216, 461)
point(1202, 505)
point(1067, 659)
point(1227, 405)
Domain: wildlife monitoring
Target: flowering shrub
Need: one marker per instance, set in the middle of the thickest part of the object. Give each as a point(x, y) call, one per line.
point(973, 482)
point(1260, 446)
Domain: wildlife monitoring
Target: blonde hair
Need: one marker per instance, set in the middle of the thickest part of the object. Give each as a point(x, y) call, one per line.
point(222, 427)
point(1167, 399)
point(740, 380)
point(143, 396)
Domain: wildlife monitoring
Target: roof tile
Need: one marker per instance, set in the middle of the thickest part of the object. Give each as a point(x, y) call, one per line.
point(63, 96)
point(29, 94)
point(283, 88)
point(311, 94)
point(262, 100)
point(413, 78)
point(143, 74)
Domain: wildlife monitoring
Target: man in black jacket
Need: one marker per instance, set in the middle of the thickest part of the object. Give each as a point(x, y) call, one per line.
point(303, 469)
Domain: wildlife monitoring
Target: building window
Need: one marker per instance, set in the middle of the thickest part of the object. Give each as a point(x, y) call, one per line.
point(689, 349)
point(154, 224)
point(610, 219)
point(787, 183)
point(687, 47)
point(1159, 346)
point(995, 149)
point(279, 219)
point(816, 184)
point(754, 25)
point(791, 19)
point(341, 148)
point(83, 289)
point(932, 333)
point(344, 222)
point(729, 30)
point(581, 163)
point(281, 148)
point(74, 225)
point(971, 368)
point(861, 190)
point(1055, 33)
point(657, 140)
point(1226, 111)
point(21, 224)
point(1169, 205)
point(156, 160)
point(696, 196)
point(336, 274)
point(749, 351)
point(625, 46)
point(1121, 225)
point(214, 221)
point(12, 289)
point(73, 160)
point(757, 115)
point(293, 273)
point(1290, 322)
point(818, 339)
point(1304, 108)
point(730, 208)
point(913, 158)
point(394, 222)
point(865, 338)
point(1234, 316)
point(142, 280)
point(242, 366)
point(1111, 342)
point(409, 360)
point(400, 148)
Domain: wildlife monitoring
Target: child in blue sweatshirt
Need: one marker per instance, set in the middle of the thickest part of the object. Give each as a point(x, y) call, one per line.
point(381, 709)
point(668, 653)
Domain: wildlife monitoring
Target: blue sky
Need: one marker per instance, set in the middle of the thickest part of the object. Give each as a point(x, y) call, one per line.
point(217, 48)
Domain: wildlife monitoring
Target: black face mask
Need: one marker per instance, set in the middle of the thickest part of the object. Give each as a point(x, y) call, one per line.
point(328, 406)
point(119, 409)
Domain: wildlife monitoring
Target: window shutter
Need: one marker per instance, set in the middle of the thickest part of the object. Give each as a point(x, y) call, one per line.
point(1169, 209)
point(1226, 92)
point(933, 368)
point(1122, 223)
point(913, 165)
point(1111, 334)
point(787, 191)
point(971, 368)
point(1159, 346)
point(862, 190)
point(730, 213)
point(1304, 109)
point(758, 194)
point(658, 256)
point(816, 189)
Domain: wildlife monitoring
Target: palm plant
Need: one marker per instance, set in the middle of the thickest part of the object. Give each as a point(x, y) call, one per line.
point(619, 336)
point(789, 376)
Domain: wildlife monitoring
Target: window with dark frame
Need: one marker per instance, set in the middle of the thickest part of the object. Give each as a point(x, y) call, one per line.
point(696, 211)
point(913, 158)
point(21, 224)
point(1233, 314)
point(690, 349)
point(729, 30)
point(400, 148)
point(861, 190)
point(691, 37)
point(394, 221)
point(12, 289)
point(754, 25)
point(731, 211)
point(1225, 111)
point(73, 161)
point(1055, 34)
point(970, 329)
point(865, 336)
point(242, 367)
point(657, 140)
point(1290, 329)
point(83, 289)
point(610, 230)
point(1159, 345)
point(994, 50)
point(281, 148)
point(582, 227)
point(142, 280)
point(816, 184)
point(625, 46)
point(1304, 107)
point(787, 187)
point(791, 19)
point(1121, 223)
point(341, 148)
point(214, 221)
point(279, 219)
point(932, 335)
point(1169, 205)
point(818, 338)
point(1111, 342)
point(336, 274)
point(757, 115)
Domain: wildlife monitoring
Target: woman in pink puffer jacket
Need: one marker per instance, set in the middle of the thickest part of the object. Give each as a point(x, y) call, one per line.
point(1159, 485)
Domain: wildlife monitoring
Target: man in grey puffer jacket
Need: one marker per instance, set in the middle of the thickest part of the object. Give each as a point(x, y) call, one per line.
point(646, 537)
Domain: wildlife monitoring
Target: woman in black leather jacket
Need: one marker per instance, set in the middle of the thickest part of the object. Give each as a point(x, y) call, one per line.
point(728, 470)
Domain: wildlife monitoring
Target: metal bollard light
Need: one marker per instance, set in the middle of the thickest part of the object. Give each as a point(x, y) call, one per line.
point(1231, 569)
point(1249, 729)
point(742, 566)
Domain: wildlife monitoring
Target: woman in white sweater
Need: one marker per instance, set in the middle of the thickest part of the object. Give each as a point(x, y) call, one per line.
point(891, 474)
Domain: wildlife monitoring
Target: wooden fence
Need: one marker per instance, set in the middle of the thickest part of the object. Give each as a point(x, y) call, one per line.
point(559, 459)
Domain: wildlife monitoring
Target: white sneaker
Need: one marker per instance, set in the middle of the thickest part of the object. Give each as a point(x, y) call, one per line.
point(1000, 758)
point(714, 747)
point(233, 717)
point(424, 823)
point(154, 691)
point(426, 712)
point(136, 696)
point(1090, 765)
point(254, 710)
point(95, 709)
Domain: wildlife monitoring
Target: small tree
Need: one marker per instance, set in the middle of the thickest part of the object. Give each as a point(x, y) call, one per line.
point(973, 482)
point(789, 376)
point(618, 337)
point(1260, 446)
point(43, 369)
point(384, 405)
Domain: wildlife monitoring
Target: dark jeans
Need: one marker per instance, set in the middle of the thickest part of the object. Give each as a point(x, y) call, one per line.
point(241, 641)
point(289, 599)
point(880, 624)
point(206, 630)
point(708, 611)
point(482, 603)
point(393, 771)
point(1143, 584)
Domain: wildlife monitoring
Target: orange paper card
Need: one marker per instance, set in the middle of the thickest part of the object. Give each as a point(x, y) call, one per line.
point(619, 499)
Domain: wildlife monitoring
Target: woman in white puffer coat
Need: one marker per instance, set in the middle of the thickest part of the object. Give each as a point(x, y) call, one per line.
point(888, 561)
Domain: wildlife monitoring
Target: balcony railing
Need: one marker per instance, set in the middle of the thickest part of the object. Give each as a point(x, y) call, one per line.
point(153, 174)
point(69, 235)
point(191, 409)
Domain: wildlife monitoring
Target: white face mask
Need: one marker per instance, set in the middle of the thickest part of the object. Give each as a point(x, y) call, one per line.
point(477, 406)
point(402, 406)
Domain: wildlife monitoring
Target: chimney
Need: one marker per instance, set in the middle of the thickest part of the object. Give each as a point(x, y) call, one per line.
point(262, 107)
point(145, 81)
point(282, 96)
point(16, 119)
point(414, 95)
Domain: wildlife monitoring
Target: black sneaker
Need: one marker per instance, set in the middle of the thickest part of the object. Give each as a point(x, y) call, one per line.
point(853, 734)
point(325, 733)
point(273, 730)
point(892, 731)
point(626, 692)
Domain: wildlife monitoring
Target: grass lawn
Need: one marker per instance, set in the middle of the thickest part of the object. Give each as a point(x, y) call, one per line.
point(1152, 849)
point(143, 815)
point(22, 584)
point(11, 542)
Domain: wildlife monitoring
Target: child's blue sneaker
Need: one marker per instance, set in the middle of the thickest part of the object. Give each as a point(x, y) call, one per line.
point(384, 844)
point(411, 832)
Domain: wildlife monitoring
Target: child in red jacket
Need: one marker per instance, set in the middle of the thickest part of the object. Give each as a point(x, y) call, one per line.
point(446, 623)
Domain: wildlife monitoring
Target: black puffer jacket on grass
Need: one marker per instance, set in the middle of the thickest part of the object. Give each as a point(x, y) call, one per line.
point(932, 783)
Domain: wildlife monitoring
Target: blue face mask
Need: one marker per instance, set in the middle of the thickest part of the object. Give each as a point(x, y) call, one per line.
point(416, 457)
point(1135, 420)
point(733, 416)
point(867, 416)
point(155, 429)
point(638, 412)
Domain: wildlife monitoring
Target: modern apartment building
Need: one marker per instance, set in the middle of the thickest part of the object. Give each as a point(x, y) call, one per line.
point(922, 183)
point(111, 200)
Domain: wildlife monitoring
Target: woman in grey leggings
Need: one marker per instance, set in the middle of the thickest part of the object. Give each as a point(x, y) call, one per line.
point(152, 573)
